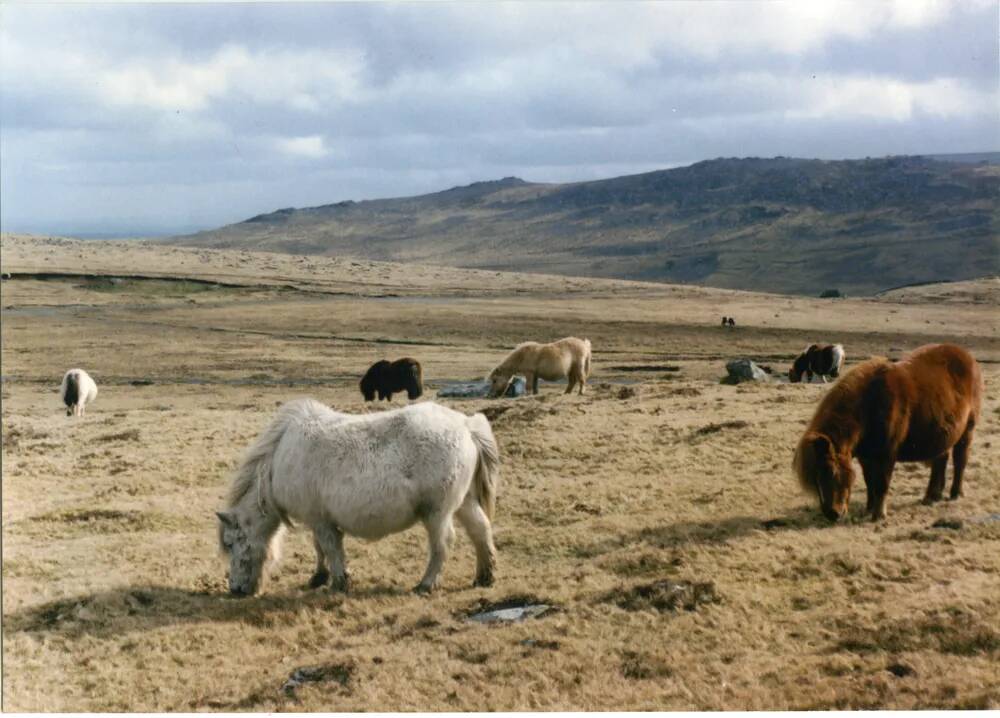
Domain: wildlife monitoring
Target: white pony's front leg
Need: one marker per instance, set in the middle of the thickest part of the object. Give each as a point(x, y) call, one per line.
point(440, 532)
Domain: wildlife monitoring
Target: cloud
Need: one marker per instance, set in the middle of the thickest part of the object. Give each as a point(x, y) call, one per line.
point(130, 102)
point(312, 147)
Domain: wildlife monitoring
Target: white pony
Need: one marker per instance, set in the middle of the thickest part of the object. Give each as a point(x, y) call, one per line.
point(367, 475)
point(77, 390)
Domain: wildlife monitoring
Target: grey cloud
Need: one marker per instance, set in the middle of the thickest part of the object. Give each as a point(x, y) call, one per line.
point(448, 93)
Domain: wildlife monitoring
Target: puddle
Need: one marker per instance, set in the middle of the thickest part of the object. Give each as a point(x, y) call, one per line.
point(510, 611)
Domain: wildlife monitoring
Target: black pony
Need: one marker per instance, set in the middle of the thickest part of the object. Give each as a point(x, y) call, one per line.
point(386, 378)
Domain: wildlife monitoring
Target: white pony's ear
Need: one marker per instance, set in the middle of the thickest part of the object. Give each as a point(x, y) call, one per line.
point(226, 518)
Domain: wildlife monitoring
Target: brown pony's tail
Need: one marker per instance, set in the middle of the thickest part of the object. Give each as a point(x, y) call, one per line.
point(487, 476)
point(586, 361)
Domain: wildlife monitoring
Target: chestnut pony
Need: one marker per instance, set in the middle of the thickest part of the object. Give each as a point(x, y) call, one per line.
point(918, 409)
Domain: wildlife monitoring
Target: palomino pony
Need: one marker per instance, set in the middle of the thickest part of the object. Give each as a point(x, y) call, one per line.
point(918, 409)
point(368, 476)
point(821, 359)
point(567, 358)
point(78, 389)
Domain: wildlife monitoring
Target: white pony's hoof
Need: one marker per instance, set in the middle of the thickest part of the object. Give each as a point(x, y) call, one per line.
point(483, 581)
point(340, 584)
point(319, 579)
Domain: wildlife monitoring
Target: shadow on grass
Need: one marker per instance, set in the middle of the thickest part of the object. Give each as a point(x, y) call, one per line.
point(683, 533)
point(726, 529)
point(143, 608)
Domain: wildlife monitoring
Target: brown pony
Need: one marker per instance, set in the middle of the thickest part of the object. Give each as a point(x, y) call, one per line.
point(879, 412)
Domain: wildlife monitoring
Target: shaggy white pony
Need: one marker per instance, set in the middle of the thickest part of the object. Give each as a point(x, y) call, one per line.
point(367, 475)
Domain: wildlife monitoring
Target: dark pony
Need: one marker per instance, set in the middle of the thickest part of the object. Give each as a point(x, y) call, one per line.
point(918, 409)
point(386, 378)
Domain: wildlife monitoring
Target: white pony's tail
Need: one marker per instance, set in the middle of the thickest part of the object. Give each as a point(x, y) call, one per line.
point(487, 475)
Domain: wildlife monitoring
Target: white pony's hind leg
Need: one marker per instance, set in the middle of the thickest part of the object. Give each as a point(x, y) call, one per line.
point(322, 574)
point(477, 525)
point(330, 540)
point(440, 532)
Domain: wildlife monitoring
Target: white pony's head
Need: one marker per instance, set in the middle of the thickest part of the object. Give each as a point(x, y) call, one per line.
point(244, 538)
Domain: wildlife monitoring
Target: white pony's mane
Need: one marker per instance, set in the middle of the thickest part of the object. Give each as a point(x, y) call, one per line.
point(254, 472)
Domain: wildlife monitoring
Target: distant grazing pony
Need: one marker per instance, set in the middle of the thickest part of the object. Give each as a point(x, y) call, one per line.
point(880, 412)
point(78, 389)
point(567, 358)
point(731, 322)
point(823, 360)
point(386, 378)
point(725, 321)
point(365, 475)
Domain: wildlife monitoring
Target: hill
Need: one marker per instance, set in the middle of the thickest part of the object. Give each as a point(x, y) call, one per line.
point(782, 224)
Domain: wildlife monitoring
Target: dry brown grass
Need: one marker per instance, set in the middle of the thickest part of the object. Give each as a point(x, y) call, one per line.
point(114, 592)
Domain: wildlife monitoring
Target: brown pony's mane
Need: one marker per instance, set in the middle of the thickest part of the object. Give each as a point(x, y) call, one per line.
point(837, 414)
point(836, 419)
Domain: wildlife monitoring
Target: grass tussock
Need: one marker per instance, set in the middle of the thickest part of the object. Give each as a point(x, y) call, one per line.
point(956, 632)
point(664, 595)
point(127, 435)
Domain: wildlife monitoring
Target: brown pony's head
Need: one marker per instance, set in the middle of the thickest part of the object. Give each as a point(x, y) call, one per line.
point(824, 472)
point(798, 368)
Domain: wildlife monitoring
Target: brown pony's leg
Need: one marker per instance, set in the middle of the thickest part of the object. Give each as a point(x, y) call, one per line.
point(959, 455)
point(877, 475)
point(935, 487)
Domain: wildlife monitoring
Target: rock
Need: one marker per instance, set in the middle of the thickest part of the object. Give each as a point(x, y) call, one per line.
point(745, 370)
point(340, 672)
point(481, 389)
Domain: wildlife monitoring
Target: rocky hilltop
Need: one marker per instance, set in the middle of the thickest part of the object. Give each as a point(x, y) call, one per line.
point(780, 224)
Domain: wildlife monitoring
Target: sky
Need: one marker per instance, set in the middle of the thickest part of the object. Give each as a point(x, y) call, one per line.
point(151, 119)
